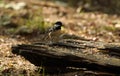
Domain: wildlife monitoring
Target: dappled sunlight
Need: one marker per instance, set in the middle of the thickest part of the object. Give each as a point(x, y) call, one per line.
point(27, 21)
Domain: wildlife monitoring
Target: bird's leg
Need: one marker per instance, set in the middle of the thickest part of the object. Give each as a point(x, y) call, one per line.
point(45, 37)
point(49, 35)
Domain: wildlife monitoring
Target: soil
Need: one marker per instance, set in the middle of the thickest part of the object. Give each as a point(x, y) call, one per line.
point(97, 26)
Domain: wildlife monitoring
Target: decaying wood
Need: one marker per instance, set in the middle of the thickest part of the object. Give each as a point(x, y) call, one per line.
point(73, 53)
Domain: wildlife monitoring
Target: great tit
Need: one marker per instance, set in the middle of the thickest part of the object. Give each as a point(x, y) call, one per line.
point(56, 27)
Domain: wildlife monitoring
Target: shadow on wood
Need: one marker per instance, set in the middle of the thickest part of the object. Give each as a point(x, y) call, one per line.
point(57, 57)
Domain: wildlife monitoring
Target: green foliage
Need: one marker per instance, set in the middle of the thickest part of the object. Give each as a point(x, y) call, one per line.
point(35, 23)
point(1, 1)
point(5, 20)
point(109, 28)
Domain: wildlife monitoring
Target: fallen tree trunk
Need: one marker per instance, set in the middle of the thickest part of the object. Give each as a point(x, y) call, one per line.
point(73, 53)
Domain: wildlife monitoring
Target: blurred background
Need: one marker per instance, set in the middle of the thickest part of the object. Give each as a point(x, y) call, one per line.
point(24, 21)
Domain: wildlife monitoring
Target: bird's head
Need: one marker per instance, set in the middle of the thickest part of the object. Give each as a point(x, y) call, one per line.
point(59, 23)
point(57, 26)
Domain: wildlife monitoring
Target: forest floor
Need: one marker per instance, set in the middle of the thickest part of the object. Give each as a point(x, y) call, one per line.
point(17, 26)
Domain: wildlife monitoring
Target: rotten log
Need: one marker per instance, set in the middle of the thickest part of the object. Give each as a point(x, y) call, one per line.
point(73, 53)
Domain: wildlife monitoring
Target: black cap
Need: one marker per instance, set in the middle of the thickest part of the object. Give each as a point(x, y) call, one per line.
point(58, 23)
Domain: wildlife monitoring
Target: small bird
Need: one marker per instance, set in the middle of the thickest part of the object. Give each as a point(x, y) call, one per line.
point(56, 27)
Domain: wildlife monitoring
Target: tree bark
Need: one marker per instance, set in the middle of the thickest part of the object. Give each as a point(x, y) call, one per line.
point(95, 56)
